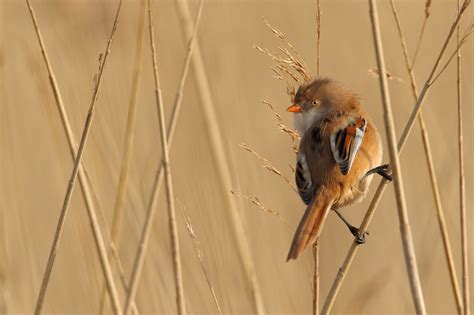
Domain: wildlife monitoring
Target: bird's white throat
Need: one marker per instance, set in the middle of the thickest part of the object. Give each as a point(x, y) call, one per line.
point(304, 120)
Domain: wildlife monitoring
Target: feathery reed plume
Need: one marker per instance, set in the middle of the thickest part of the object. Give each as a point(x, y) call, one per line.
point(76, 169)
point(268, 165)
point(163, 171)
point(282, 126)
point(343, 270)
point(405, 229)
point(282, 37)
point(374, 72)
point(429, 160)
point(256, 201)
point(422, 32)
point(286, 63)
point(462, 184)
point(200, 255)
point(220, 158)
point(126, 157)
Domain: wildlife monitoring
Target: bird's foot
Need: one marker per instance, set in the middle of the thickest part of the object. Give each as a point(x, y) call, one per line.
point(359, 236)
point(382, 170)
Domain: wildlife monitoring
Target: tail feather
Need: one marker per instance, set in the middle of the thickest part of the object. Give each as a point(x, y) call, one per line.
point(311, 224)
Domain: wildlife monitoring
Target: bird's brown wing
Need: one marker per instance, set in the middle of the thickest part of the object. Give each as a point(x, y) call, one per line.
point(346, 142)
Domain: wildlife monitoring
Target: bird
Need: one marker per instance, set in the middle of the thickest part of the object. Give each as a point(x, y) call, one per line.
point(339, 152)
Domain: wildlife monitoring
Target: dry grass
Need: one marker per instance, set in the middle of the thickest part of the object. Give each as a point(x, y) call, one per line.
point(422, 32)
point(164, 165)
point(336, 285)
point(243, 269)
point(256, 201)
point(429, 160)
point(200, 255)
point(101, 247)
point(117, 218)
point(405, 229)
point(462, 182)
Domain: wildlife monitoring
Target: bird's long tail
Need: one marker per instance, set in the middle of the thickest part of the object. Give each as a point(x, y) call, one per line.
point(311, 223)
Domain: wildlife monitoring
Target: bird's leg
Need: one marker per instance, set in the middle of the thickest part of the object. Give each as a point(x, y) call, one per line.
point(382, 170)
point(360, 237)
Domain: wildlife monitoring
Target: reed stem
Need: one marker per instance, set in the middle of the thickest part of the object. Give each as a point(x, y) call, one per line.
point(168, 137)
point(77, 169)
point(221, 162)
point(462, 184)
point(127, 153)
point(408, 248)
point(344, 269)
point(434, 181)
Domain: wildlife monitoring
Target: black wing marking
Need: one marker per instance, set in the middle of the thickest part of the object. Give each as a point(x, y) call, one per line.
point(303, 180)
point(345, 143)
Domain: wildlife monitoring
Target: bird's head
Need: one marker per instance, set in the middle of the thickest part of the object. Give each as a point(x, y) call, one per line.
point(310, 96)
point(312, 100)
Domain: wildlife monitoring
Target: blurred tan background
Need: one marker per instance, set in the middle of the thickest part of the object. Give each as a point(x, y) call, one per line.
point(35, 160)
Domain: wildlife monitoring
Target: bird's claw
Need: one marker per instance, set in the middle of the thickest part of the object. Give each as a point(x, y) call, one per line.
point(359, 236)
point(385, 172)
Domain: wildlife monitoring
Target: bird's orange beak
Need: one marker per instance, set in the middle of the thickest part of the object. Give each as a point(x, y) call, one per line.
point(295, 108)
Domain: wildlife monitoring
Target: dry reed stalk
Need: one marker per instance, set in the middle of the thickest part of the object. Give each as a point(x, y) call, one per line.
point(180, 299)
point(461, 42)
point(434, 181)
point(422, 32)
point(78, 169)
point(318, 37)
point(126, 157)
point(462, 185)
point(316, 286)
point(129, 133)
point(432, 78)
point(166, 142)
point(408, 248)
point(217, 146)
point(343, 270)
point(200, 255)
point(268, 165)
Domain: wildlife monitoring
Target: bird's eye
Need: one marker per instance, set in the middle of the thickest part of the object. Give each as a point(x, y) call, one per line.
point(315, 103)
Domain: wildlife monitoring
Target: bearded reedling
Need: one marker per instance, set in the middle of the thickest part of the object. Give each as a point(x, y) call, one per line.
point(340, 150)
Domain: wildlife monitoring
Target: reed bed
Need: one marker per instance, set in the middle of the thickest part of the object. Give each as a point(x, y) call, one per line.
point(224, 256)
point(77, 156)
point(164, 165)
point(405, 229)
